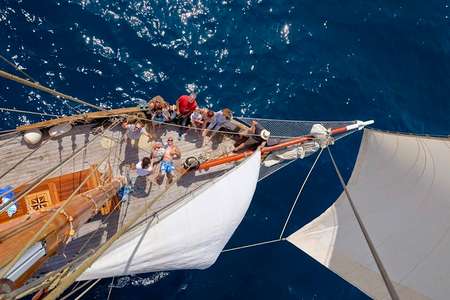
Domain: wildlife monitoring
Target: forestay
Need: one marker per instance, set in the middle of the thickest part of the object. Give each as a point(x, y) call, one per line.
point(401, 187)
point(291, 128)
point(192, 237)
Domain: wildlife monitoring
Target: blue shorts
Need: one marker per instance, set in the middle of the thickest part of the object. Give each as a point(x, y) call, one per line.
point(167, 167)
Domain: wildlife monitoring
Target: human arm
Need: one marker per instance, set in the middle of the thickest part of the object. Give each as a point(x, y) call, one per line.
point(178, 106)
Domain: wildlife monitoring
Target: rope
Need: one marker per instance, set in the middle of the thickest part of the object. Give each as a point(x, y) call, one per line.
point(253, 245)
point(7, 132)
point(299, 193)
point(32, 79)
point(384, 274)
point(38, 234)
point(70, 278)
point(16, 67)
point(23, 159)
point(76, 289)
point(28, 112)
point(45, 281)
point(42, 88)
point(88, 289)
point(110, 288)
point(39, 180)
point(211, 130)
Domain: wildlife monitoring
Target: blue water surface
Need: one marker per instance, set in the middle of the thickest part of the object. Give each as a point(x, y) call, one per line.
point(304, 60)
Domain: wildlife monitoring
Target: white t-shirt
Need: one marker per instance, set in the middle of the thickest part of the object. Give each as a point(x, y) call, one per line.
point(143, 172)
point(196, 116)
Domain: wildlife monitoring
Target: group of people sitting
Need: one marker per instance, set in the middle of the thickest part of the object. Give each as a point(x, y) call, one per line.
point(186, 114)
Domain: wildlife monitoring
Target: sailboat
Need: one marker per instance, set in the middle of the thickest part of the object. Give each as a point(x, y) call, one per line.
point(73, 208)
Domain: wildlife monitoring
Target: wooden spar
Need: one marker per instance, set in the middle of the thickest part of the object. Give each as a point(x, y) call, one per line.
point(291, 142)
point(74, 215)
point(265, 150)
point(82, 117)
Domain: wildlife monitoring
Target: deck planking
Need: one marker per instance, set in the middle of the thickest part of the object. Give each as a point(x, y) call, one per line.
point(121, 154)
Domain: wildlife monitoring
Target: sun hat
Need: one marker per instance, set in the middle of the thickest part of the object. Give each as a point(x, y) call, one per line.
point(265, 134)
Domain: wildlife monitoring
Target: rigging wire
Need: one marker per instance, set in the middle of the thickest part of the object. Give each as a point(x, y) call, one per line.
point(32, 79)
point(214, 131)
point(7, 131)
point(16, 67)
point(76, 289)
point(45, 89)
point(46, 280)
point(23, 159)
point(49, 172)
point(253, 245)
point(88, 289)
point(300, 192)
point(28, 112)
point(281, 238)
point(70, 278)
point(387, 281)
point(55, 214)
point(111, 285)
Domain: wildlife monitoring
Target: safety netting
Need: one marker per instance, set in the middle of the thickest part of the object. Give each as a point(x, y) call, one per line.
point(285, 129)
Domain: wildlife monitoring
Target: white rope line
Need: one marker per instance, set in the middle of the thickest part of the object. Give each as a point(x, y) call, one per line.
point(252, 245)
point(76, 289)
point(215, 130)
point(88, 289)
point(16, 67)
point(2, 109)
point(36, 82)
point(110, 288)
point(299, 193)
point(38, 86)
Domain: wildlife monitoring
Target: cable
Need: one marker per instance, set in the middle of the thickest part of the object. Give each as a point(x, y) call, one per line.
point(384, 274)
point(299, 193)
point(252, 245)
point(28, 112)
point(16, 67)
point(45, 89)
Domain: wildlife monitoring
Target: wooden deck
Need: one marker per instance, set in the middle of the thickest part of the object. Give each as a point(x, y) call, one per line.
point(21, 164)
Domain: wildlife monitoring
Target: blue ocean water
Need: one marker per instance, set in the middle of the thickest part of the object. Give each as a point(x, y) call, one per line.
point(304, 60)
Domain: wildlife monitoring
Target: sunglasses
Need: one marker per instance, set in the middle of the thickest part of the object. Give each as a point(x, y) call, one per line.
point(170, 140)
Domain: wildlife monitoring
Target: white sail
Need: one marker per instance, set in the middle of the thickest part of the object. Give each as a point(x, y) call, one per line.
point(401, 188)
point(191, 237)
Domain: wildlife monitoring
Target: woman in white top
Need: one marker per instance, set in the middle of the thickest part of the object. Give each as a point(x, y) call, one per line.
point(144, 167)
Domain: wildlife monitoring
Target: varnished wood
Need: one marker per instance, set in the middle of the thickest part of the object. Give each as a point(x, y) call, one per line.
point(59, 188)
point(87, 117)
point(74, 215)
point(99, 228)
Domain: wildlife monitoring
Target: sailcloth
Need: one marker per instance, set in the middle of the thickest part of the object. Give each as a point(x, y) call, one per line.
point(401, 188)
point(192, 236)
